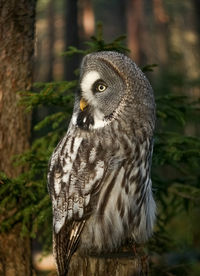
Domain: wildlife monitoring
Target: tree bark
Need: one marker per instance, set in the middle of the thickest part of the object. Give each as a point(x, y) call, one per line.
point(86, 19)
point(71, 37)
point(17, 19)
point(161, 30)
point(135, 29)
point(196, 4)
point(51, 39)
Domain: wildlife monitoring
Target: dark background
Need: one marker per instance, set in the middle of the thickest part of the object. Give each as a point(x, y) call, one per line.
point(165, 33)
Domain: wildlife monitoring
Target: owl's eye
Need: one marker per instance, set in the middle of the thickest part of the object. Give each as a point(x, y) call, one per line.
point(100, 86)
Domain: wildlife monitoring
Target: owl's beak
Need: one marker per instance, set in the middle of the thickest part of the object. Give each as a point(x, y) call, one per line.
point(83, 104)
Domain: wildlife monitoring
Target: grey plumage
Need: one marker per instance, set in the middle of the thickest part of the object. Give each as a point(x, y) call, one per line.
point(99, 174)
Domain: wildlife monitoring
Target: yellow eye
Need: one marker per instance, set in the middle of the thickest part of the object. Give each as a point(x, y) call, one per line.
point(101, 88)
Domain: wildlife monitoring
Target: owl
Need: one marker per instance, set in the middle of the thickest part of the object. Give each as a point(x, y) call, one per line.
point(99, 176)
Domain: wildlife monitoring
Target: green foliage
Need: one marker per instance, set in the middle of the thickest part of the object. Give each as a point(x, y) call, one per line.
point(98, 44)
point(149, 67)
point(20, 202)
point(175, 161)
point(52, 93)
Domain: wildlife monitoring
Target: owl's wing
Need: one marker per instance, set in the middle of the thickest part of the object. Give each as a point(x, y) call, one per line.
point(73, 181)
point(65, 244)
point(66, 240)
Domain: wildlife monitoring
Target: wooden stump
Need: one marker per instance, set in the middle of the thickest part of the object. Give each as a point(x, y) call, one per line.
point(115, 264)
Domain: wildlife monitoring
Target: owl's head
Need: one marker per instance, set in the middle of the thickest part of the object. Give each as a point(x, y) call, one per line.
point(111, 85)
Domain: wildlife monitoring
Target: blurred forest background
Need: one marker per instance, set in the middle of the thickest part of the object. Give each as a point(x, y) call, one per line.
point(163, 37)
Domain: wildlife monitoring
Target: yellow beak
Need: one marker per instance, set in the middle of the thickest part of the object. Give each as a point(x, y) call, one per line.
point(83, 104)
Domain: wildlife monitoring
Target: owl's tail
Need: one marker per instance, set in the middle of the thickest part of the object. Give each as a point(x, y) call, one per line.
point(65, 243)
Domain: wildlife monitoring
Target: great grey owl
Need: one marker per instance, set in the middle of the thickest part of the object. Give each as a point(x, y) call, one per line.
point(99, 173)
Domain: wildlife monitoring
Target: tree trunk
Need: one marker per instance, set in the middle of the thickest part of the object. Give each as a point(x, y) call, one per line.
point(51, 39)
point(161, 33)
point(86, 19)
point(71, 37)
point(196, 4)
point(135, 29)
point(17, 18)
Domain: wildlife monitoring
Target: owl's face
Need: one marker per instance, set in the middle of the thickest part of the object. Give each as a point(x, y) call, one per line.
point(108, 83)
point(101, 90)
point(101, 86)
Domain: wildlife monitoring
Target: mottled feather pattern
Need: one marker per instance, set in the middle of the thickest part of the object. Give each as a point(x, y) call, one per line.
point(125, 175)
point(99, 174)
